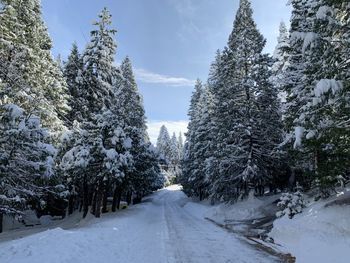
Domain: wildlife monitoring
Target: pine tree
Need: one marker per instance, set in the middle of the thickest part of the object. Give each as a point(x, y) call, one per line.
point(111, 154)
point(163, 144)
point(216, 79)
point(98, 69)
point(33, 80)
point(189, 167)
point(73, 69)
point(32, 96)
point(130, 108)
point(280, 57)
point(315, 98)
point(26, 160)
point(202, 145)
point(242, 93)
point(130, 99)
point(174, 151)
point(99, 148)
point(280, 54)
point(180, 146)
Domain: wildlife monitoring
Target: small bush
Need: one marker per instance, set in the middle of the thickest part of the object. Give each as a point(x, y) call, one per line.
point(290, 204)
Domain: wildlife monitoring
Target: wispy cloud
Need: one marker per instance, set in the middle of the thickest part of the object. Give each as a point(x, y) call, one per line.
point(172, 126)
point(155, 78)
point(185, 7)
point(188, 14)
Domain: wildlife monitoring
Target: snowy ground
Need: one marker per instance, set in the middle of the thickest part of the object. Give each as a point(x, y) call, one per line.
point(321, 233)
point(165, 228)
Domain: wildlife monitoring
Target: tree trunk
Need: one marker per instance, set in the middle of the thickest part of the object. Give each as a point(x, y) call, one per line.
point(200, 194)
point(80, 204)
point(105, 200)
point(70, 204)
point(94, 202)
point(115, 197)
point(119, 198)
point(105, 196)
point(129, 197)
point(85, 198)
point(99, 194)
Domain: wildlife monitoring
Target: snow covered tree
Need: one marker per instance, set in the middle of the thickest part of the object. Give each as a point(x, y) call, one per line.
point(174, 151)
point(98, 68)
point(164, 144)
point(294, 75)
point(203, 145)
point(130, 99)
point(241, 99)
point(110, 153)
point(280, 54)
point(73, 69)
point(33, 93)
point(189, 166)
point(99, 160)
point(316, 97)
point(180, 146)
point(130, 107)
point(280, 57)
point(32, 78)
point(98, 142)
point(290, 204)
point(26, 160)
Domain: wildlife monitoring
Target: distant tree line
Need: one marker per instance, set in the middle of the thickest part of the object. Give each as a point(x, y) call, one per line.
point(170, 151)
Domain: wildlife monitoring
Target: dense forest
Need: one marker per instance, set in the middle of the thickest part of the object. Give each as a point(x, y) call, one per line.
point(74, 135)
point(261, 175)
point(278, 123)
point(71, 135)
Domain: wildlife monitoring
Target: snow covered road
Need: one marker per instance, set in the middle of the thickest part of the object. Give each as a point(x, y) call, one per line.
point(167, 227)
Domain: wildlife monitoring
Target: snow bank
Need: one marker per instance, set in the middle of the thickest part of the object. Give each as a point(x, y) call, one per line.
point(251, 208)
point(319, 234)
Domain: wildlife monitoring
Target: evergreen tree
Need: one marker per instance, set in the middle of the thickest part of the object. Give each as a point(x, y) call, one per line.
point(111, 153)
point(130, 108)
point(99, 150)
point(180, 146)
point(98, 69)
point(317, 98)
point(202, 145)
point(241, 100)
point(280, 57)
point(174, 151)
point(32, 79)
point(26, 160)
point(73, 69)
point(130, 99)
point(189, 167)
point(32, 96)
point(164, 144)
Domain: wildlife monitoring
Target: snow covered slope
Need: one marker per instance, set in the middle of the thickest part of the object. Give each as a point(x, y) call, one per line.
point(167, 227)
point(320, 234)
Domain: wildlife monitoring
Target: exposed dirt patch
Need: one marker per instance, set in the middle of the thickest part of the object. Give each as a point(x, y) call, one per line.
point(255, 240)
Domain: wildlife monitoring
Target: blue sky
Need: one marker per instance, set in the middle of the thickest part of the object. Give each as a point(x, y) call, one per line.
point(170, 42)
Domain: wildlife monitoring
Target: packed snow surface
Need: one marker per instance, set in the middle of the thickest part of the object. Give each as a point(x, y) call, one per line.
point(167, 227)
point(321, 233)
